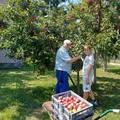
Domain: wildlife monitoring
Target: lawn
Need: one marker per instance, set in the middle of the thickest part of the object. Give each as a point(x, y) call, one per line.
point(22, 93)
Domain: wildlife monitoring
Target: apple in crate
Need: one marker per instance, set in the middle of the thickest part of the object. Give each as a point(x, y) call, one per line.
point(84, 105)
point(64, 99)
point(60, 97)
point(77, 100)
point(70, 107)
point(75, 107)
point(73, 110)
point(71, 98)
point(79, 108)
point(66, 105)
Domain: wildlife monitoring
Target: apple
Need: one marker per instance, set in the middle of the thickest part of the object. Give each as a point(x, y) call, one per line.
point(80, 102)
point(60, 97)
point(66, 105)
point(32, 19)
point(71, 103)
point(67, 99)
point(82, 9)
point(69, 107)
point(84, 105)
point(59, 101)
point(89, 2)
point(77, 100)
point(73, 110)
point(79, 108)
point(75, 107)
point(64, 99)
point(71, 98)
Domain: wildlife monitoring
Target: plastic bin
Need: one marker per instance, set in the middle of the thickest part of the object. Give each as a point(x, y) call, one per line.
point(62, 113)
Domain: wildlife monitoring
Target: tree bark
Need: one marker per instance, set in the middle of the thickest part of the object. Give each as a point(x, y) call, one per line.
point(105, 63)
point(99, 16)
point(78, 83)
point(95, 68)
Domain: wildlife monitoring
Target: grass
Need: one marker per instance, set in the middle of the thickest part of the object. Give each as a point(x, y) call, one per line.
point(108, 91)
point(22, 93)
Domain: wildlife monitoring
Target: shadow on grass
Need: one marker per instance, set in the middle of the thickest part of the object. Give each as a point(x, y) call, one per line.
point(18, 79)
point(26, 100)
point(108, 93)
point(75, 89)
point(23, 68)
point(114, 70)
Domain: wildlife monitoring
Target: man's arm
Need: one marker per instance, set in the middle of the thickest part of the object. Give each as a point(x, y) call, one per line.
point(66, 57)
point(73, 59)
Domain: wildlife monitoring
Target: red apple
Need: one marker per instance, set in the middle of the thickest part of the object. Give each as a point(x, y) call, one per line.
point(76, 107)
point(83, 105)
point(77, 100)
point(65, 105)
point(69, 107)
point(64, 99)
point(71, 98)
point(89, 2)
point(60, 97)
point(79, 108)
point(80, 102)
point(67, 99)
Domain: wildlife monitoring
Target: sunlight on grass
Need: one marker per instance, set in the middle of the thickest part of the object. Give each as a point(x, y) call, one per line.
point(19, 73)
point(101, 73)
point(8, 113)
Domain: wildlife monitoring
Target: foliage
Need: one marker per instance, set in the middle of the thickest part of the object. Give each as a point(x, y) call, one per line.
point(35, 30)
point(27, 36)
point(97, 27)
point(54, 3)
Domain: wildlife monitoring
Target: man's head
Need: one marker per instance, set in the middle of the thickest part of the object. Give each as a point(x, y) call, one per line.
point(67, 44)
point(87, 49)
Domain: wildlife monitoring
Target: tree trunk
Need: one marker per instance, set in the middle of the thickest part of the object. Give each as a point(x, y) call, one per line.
point(95, 67)
point(78, 83)
point(105, 63)
point(99, 16)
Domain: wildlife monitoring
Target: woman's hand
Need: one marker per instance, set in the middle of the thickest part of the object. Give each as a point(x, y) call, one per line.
point(87, 80)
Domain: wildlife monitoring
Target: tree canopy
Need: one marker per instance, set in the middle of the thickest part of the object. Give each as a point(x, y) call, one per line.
point(33, 30)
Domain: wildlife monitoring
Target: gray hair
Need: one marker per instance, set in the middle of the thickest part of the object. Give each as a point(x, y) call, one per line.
point(67, 42)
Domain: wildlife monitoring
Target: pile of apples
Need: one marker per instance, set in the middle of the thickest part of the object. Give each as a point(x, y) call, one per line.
point(72, 104)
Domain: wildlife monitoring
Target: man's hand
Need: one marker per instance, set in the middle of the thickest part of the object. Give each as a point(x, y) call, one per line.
point(73, 59)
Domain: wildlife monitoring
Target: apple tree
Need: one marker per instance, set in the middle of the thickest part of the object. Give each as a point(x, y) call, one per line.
point(27, 35)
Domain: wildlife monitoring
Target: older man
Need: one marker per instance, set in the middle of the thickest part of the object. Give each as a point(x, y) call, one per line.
point(63, 65)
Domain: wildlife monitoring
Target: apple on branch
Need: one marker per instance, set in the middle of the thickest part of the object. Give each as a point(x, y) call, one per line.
point(90, 2)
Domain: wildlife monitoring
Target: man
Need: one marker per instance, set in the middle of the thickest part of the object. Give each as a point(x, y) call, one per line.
point(63, 65)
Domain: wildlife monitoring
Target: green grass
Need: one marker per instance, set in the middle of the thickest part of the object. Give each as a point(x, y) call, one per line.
point(108, 91)
point(22, 93)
